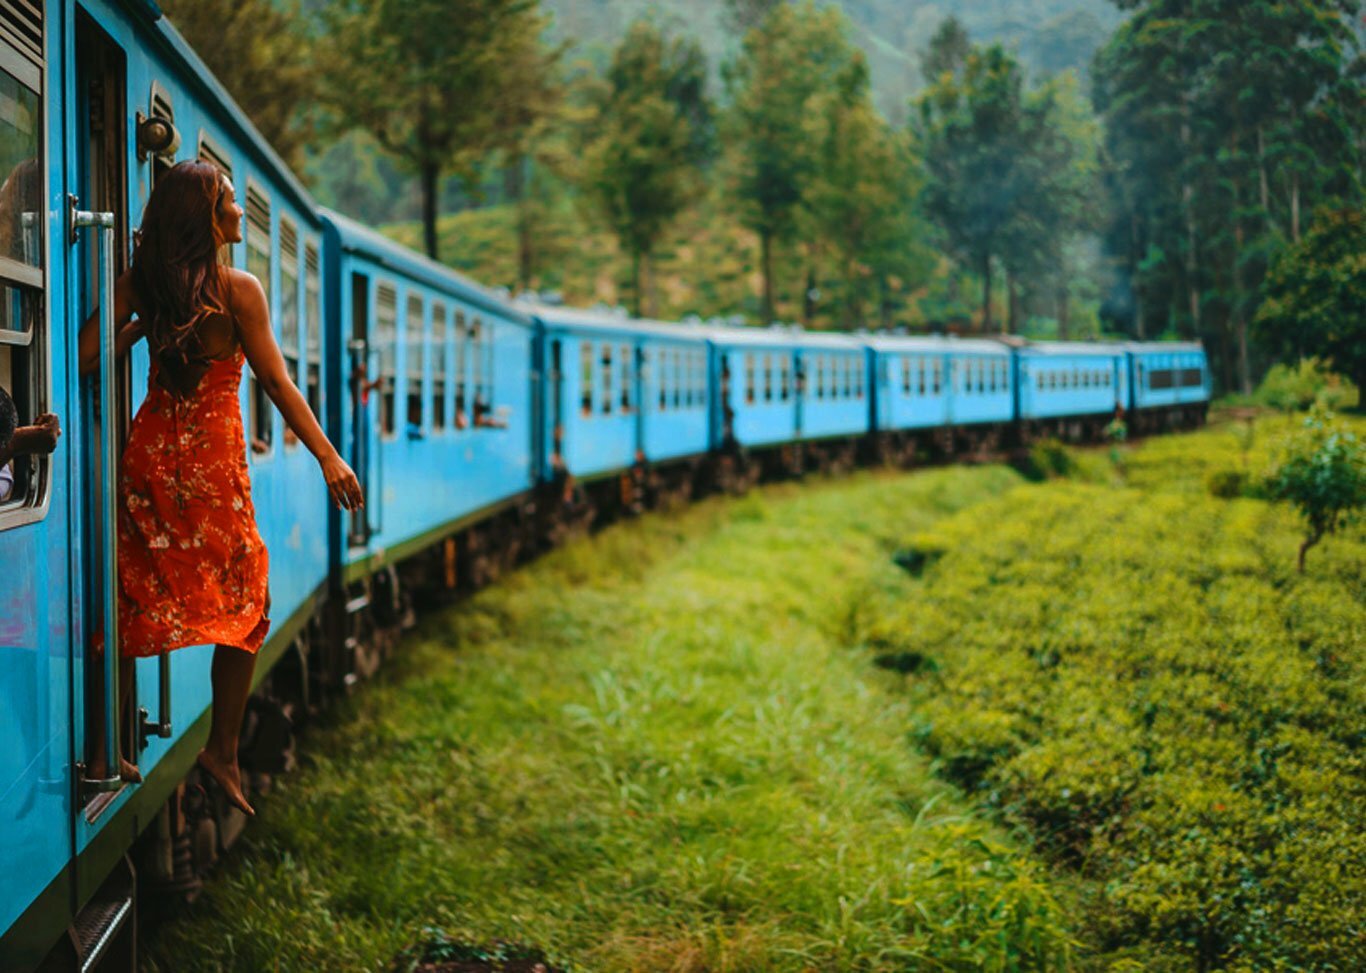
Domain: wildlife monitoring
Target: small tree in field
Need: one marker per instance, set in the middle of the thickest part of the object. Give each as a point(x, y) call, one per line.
point(1324, 476)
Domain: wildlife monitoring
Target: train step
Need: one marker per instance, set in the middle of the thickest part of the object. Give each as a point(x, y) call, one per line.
point(104, 933)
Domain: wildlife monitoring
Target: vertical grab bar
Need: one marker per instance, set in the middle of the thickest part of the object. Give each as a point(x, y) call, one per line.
point(104, 225)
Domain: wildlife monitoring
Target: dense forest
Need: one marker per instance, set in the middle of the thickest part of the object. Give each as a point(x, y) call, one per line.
point(1049, 168)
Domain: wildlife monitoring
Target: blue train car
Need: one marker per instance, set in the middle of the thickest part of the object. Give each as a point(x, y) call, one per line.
point(1164, 374)
point(101, 98)
point(835, 392)
point(437, 415)
point(929, 381)
point(1068, 380)
point(620, 391)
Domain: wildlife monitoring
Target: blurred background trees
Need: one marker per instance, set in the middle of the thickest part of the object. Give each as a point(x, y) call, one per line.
point(1047, 168)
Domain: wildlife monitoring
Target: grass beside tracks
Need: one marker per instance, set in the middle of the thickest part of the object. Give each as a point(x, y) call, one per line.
point(652, 750)
point(1098, 722)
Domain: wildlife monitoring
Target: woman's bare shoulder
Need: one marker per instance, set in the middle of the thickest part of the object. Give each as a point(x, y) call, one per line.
point(246, 295)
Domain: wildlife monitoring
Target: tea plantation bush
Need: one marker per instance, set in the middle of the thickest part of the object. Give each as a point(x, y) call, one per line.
point(1143, 679)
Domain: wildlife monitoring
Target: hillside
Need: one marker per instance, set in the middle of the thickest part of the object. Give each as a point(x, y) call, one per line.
point(1050, 36)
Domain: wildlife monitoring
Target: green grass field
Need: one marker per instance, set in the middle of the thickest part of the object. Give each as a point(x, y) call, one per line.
point(1105, 726)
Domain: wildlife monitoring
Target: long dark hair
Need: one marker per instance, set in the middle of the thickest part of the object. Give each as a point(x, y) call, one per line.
point(176, 269)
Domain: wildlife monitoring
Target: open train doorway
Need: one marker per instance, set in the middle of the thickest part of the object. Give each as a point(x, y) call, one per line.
point(101, 187)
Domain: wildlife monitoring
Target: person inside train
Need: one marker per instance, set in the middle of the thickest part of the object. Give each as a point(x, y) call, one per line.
point(192, 565)
point(16, 440)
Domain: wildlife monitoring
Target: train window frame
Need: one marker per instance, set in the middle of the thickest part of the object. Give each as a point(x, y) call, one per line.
point(768, 376)
point(586, 375)
point(290, 311)
point(624, 352)
point(441, 366)
point(461, 401)
point(662, 379)
point(749, 378)
point(260, 411)
point(32, 496)
point(386, 347)
point(414, 361)
point(313, 326)
point(483, 345)
point(208, 150)
point(605, 365)
point(784, 377)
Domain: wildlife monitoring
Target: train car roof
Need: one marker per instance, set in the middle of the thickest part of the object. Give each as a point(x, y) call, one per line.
point(934, 343)
point(1163, 347)
point(197, 73)
point(360, 239)
point(556, 315)
point(1073, 348)
point(778, 337)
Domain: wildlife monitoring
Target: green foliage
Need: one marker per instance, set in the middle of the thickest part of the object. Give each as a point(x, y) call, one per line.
point(437, 99)
point(1323, 476)
point(261, 52)
point(1316, 295)
point(643, 148)
point(1227, 484)
point(1297, 387)
point(1140, 677)
point(1047, 459)
point(1225, 121)
point(1008, 172)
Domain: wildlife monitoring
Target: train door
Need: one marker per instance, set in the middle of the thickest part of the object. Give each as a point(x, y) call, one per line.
point(100, 187)
point(363, 388)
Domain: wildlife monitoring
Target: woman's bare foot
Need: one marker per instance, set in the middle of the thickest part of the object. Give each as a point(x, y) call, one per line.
point(128, 771)
point(229, 778)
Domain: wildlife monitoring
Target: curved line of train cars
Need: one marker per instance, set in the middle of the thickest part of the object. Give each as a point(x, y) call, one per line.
point(491, 427)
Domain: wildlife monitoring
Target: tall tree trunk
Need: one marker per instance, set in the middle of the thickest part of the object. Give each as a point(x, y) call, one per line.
point(884, 290)
point(1239, 311)
point(986, 293)
point(1295, 207)
point(1135, 283)
point(1188, 208)
point(1265, 185)
point(808, 300)
point(525, 255)
point(636, 258)
point(1012, 304)
point(430, 176)
point(766, 269)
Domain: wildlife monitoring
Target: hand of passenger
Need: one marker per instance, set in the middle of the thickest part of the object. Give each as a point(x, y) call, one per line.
point(42, 436)
point(342, 483)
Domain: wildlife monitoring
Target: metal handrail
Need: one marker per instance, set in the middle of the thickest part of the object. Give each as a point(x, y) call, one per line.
point(103, 223)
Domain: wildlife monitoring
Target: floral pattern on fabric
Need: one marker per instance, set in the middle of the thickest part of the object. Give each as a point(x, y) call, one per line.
point(192, 565)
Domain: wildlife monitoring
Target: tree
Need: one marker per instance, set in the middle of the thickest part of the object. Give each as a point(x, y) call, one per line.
point(1008, 173)
point(650, 133)
point(438, 83)
point(861, 195)
point(947, 52)
point(1323, 475)
point(262, 53)
point(1315, 295)
point(745, 15)
point(1224, 119)
point(794, 56)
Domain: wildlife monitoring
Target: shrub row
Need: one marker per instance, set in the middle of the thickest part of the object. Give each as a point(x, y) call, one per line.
point(1141, 677)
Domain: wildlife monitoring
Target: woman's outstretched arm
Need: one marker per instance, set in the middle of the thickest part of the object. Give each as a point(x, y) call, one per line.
point(126, 331)
point(252, 317)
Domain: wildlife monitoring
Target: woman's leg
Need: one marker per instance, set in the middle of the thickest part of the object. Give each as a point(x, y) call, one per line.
point(128, 770)
point(231, 675)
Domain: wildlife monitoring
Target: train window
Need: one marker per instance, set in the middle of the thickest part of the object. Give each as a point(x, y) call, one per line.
point(386, 338)
point(24, 351)
point(991, 376)
point(415, 355)
point(289, 308)
point(209, 151)
point(981, 375)
point(784, 375)
point(159, 106)
point(483, 346)
point(768, 378)
point(679, 380)
point(441, 327)
point(606, 379)
point(860, 370)
point(313, 329)
point(625, 352)
point(259, 265)
point(586, 377)
point(749, 376)
point(662, 379)
point(462, 349)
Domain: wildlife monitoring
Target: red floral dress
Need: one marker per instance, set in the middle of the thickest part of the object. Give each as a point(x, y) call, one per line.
point(192, 565)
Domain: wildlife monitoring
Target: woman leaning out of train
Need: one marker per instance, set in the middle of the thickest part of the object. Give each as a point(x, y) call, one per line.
point(192, 565)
